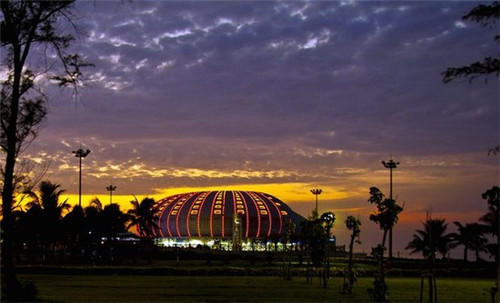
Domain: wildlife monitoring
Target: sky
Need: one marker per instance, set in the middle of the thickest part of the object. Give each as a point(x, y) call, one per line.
point(280, 97)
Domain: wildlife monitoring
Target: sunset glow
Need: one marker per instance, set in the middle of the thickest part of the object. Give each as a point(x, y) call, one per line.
point(281, 98)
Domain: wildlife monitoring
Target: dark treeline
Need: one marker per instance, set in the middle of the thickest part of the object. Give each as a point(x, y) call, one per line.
point(47, 228)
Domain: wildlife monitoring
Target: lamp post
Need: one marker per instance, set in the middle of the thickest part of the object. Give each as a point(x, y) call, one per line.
point(80, 153)
point(390, 165)
point(316, 192)
point(110, 188)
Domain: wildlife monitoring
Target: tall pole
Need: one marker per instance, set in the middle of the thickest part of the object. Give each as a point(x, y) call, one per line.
point(80, 153)
point(316, 192)
point(110, 188)
point(390, 165)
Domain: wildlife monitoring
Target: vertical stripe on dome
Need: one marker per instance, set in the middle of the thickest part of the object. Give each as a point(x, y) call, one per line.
point(212, 210)
point(264, 212)
point(278, 211)
point(168, 211)
point(200, 206)
point(178, 209)
point(191, 211)
point(223, 211)
point(162, 205)
point(257, 212)
point(268, 209)
point(247, 212)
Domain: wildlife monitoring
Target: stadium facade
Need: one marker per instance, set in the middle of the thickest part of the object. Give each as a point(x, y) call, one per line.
point(229, 220)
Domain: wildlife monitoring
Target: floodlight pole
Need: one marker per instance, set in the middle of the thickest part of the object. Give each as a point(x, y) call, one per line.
point(390, 165)
point(80, 153)
point(110, 188)
point(316, 192)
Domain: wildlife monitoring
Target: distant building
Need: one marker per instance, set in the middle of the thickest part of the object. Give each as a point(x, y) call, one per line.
point(229, 220)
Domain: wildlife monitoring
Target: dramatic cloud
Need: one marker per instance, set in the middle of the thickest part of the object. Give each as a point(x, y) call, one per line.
point(282, 96)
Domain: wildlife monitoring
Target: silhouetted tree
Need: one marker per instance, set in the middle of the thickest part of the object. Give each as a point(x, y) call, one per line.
point(353, 225)
point(313, 237)
point(431, 240)
point(289, 227)
point(485, 15)
point(471, 237)
point(75, 231)
point(478, 242)
point(491, 218)
point(462, 238)
point(144, 217)
point(20, 229)
point(93, 224)
point(26, 25)
point(386, 217)
point(50, 210)
point(327, 219)
point(113, 220)
point(387, 211)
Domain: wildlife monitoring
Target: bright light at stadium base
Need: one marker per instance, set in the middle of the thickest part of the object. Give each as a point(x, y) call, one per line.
point(221, 244)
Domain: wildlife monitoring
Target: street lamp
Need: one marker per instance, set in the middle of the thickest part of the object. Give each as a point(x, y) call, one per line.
point(110, 188)
point(316, 192)
point(80, 153)
point(390, 165)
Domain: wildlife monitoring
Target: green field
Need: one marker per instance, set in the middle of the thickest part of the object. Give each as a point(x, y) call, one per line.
point(148, 288)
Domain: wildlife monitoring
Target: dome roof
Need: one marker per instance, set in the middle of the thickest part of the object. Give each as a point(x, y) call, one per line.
point(211, 214)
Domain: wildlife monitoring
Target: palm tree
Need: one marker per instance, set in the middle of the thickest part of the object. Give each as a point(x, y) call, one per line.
point(93, 222)
point(144, 217)
point(431, 240)
point(461, 237)
point(472, 237)
point(113, 219)
point(48, 211)
point(74, 227)
point(478, 241)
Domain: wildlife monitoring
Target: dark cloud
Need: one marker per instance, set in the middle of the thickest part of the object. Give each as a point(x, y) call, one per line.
point(321, 90)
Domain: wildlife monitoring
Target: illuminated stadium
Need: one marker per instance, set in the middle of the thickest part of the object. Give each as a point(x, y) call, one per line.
point(229, 220)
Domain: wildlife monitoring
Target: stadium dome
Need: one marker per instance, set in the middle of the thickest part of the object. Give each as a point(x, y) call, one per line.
point(224, 215)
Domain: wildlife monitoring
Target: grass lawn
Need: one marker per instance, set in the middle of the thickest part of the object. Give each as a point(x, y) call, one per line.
point(143, 288)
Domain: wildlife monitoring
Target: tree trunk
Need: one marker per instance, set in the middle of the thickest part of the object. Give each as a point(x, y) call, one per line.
point(349, 268)
point(390, 244)
point(8, 270)
point(384, 237)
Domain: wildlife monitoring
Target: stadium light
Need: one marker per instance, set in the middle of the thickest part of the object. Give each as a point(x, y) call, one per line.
point(80, 153)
